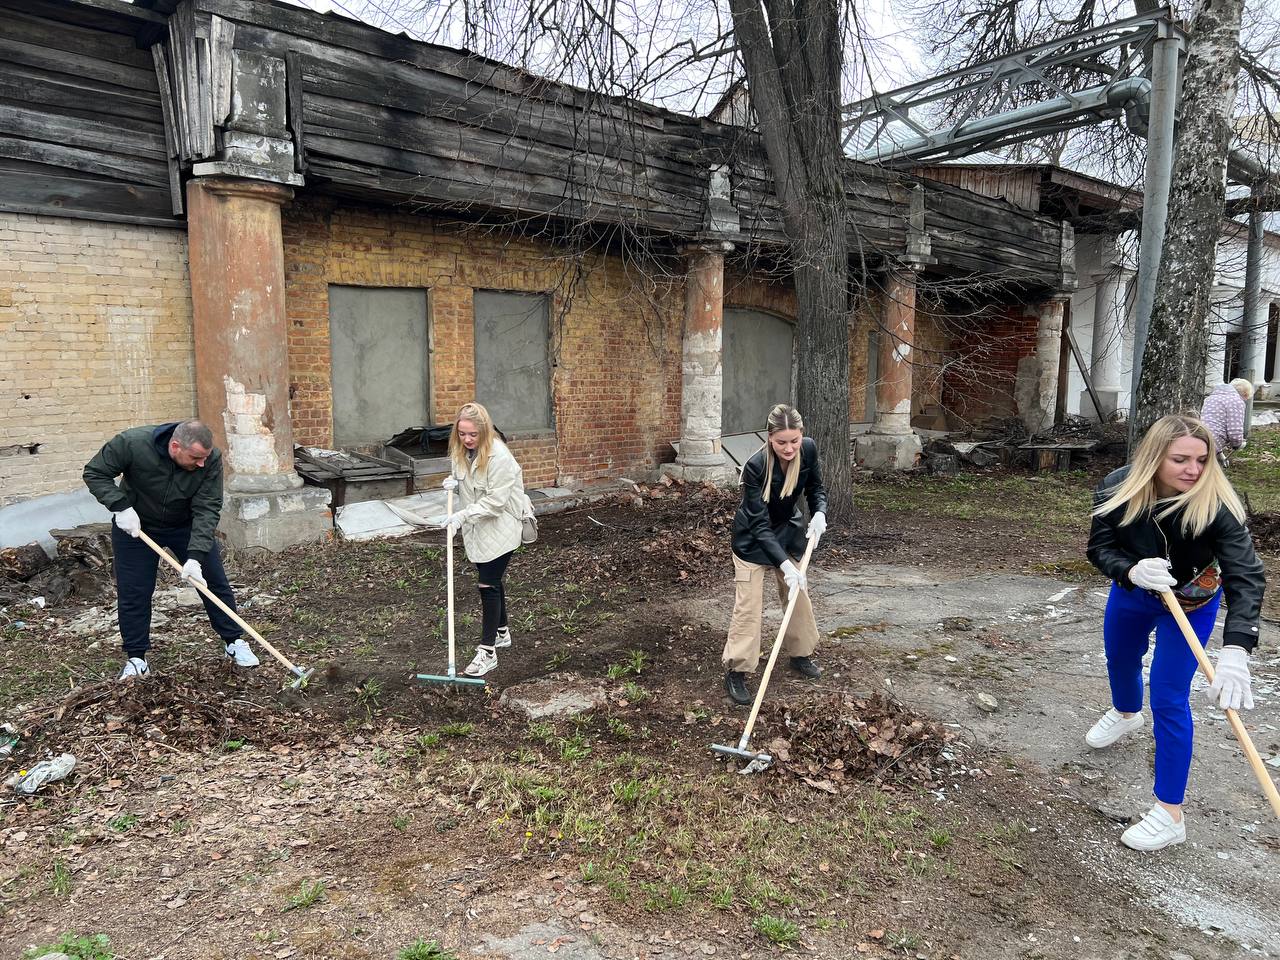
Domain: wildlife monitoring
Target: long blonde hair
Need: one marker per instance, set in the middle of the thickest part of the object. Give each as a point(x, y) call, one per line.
point(782, 417)
point(1200, 505)
point(484, 442)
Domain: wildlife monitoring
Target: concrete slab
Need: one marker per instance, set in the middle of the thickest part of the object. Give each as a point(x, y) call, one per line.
point(31, 520)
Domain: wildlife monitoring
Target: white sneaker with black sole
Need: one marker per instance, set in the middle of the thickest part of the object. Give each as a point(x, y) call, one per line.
point(134, 667)
point(1155, 831)
point(242, 654)
point(1111, 726)
point(484, 661)
point(503, 638)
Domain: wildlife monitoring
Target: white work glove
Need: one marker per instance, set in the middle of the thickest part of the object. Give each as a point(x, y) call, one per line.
point(795, 579)
point(450, 483)
point(1230, 687)
point(191, 571)
point(817, 526)
point(1152, 574)
point(129, 522)
point(449, 521)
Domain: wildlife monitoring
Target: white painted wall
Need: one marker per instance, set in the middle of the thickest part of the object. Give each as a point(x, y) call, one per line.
point(1228, 317)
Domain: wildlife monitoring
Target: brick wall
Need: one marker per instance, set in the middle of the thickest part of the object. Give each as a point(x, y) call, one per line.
point(933, 347)
point(979, 381)
point(615, 334)
point(95, 322)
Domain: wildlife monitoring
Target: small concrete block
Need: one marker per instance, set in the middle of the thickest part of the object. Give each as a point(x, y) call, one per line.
point(555, 696)
point(291, 502)
point(254, 508)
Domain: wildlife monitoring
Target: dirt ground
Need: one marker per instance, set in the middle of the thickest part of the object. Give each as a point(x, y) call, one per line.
point(213, 815)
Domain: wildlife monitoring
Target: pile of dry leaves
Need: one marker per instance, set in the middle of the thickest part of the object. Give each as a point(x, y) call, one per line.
point(834, 739)
point(200, 707)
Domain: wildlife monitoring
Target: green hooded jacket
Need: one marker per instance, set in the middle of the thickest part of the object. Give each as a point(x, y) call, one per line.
point(164, 494)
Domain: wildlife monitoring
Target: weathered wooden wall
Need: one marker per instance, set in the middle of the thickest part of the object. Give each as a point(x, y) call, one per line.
point(81, 130)
point(386, 120)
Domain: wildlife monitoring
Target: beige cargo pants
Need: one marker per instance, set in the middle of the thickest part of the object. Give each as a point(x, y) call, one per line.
point(742, 649)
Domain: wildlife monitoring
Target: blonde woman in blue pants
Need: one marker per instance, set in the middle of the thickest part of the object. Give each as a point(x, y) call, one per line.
point(1170, 520)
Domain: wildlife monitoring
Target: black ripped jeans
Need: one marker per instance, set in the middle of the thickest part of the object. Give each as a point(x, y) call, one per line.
point(493, 597)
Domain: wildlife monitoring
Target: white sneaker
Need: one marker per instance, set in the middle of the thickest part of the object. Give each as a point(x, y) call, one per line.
point(504, 637)
point(242, 654)
point(1155, 831)
point(484, 661)
point(1111, 727)
point(134, 667)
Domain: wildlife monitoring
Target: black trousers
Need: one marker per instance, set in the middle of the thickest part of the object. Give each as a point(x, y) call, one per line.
point(135, 568)
point(493, 597)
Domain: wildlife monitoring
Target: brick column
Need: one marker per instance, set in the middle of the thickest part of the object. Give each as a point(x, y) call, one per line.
point(242, 369)
point(1036, 389)
point(702, 384)
point(890, 444)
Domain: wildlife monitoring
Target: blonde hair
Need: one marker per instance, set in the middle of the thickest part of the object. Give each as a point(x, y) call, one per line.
point(1243, 387)
point(781, 417)
point(1200, 505)
point(484, 442)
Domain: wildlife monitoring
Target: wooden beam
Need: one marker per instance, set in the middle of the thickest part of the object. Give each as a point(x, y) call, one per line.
point(123, 8)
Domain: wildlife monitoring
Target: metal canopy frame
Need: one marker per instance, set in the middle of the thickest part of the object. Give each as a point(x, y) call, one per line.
point(896, 128)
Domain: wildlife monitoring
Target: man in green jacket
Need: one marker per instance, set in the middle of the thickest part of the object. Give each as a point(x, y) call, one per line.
point(171, 486)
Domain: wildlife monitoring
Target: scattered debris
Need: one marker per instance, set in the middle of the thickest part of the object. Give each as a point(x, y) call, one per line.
point(46, 771)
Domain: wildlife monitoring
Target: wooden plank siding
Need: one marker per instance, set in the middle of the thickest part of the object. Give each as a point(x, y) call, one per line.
point(384, 119)
point(81, 128)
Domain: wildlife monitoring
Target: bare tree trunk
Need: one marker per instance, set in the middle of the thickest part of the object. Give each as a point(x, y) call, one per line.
point(1173, 371)
point(793, 54)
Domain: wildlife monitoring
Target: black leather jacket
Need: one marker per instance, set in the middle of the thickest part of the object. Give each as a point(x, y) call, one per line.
point(1114, 549)
point(766, 533)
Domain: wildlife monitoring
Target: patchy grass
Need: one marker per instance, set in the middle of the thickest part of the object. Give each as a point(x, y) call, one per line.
point(308, 895)
point(1053, 505)
point(1254, 469)
point(96, 946)
point(425, 950)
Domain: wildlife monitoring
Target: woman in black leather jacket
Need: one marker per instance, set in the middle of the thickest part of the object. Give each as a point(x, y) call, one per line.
point(1171, 521)
point(768, 531)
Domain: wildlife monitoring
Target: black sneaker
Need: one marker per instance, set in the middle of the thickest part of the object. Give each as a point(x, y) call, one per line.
point(735, 685)
point(806, 667)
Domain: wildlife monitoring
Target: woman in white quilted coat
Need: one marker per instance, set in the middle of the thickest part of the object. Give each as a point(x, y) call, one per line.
point(490, 488)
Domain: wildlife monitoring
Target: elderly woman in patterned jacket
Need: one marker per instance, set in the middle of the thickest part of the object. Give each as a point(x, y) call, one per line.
point(1171, 521)
point(768, 532)
point(492, 502)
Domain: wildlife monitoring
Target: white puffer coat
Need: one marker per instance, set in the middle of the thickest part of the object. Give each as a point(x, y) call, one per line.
point(493, 502)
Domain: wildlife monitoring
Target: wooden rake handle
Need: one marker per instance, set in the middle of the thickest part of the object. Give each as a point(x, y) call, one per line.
point(163, 554)
point(449, 566)
point(777, 648)
point(1233, 718)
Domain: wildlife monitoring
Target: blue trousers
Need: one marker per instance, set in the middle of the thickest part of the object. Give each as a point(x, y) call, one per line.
point(135, 569)
point(1126, 632)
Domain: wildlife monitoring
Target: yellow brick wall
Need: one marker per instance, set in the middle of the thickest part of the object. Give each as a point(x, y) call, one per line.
point(95, 336)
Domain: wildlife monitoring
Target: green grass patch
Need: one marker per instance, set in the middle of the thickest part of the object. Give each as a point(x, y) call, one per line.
point(94, 946)
point(425, 950)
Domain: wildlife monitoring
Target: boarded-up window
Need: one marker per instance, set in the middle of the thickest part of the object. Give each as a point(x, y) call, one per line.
point(379, 358)
point(756, 368)
point(513, 368)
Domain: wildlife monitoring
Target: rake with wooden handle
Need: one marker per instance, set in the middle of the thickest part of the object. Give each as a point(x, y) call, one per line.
point(297, 671)
point(742, 751)
point(1233, 718)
